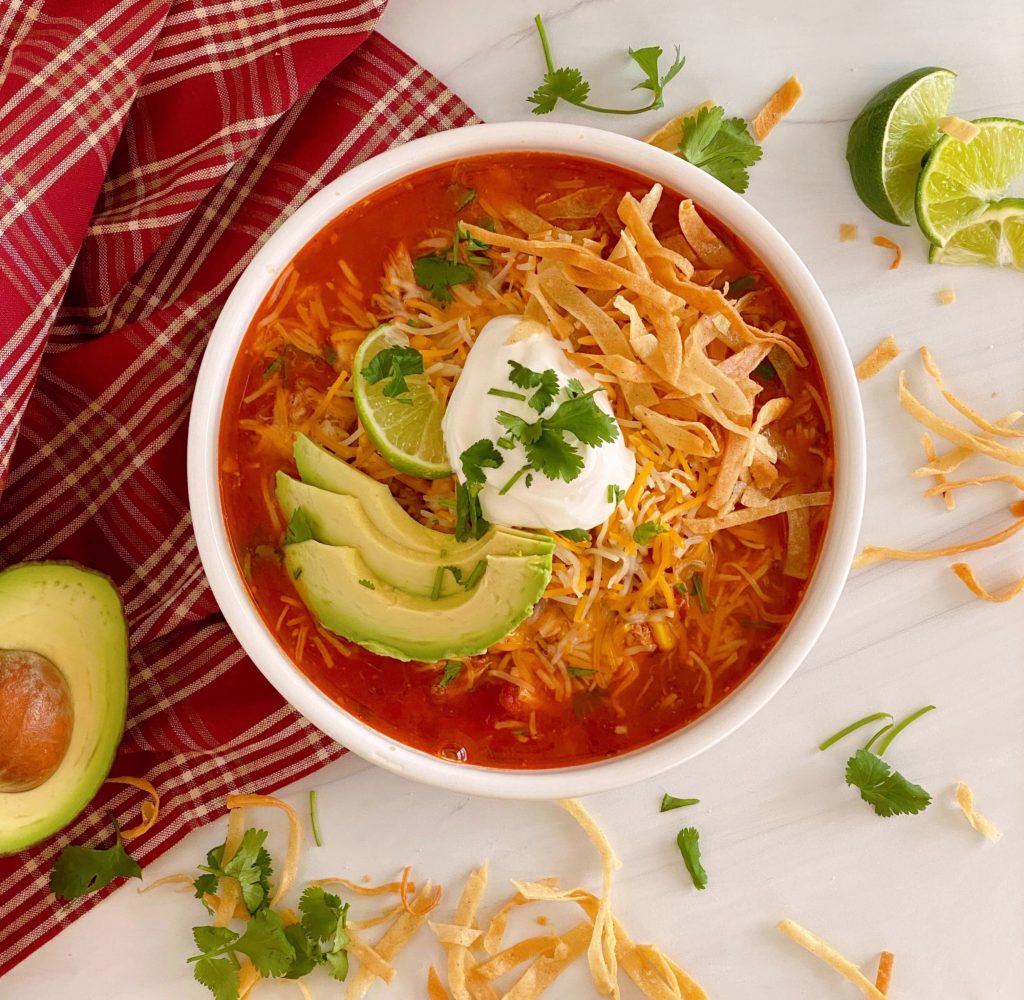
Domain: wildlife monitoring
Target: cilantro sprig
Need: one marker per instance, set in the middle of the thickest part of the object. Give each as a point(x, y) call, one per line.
point(469, 518)
point(566, 83)
point(394, 363)
point(723, 147)
point(688, 842)
point(439, 273)
point(79, 871)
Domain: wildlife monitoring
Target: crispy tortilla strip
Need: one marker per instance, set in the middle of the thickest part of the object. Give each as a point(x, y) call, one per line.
point(823, 950)
point(707, 525)
point(946, 296)
point(392, 942)
point(996, 429)
point(460, 962)
point(563, 293)
point(798, 544)
point(698, 365)
point(544, 970)
point(966, 576)
point(648, 204)
point(601, 952)
point(940, 479)
point(872, 554)
point(516, 954)
point(883, 978)
point(528, 222)
point(886, 351)
point(776, 108)
point(496, 928)
point(455, 934)
point(688, 436)
point(381, 918)
point(884, 241)
point(150, 810)
point(435, 988)
point(965, 800)
point(622, 368)
point(847, 232)
point(291, 860)
point(957, 128)
point(583, 203)
point(670, 135)
point(187, 883)
point(384, 888)
point(742, 363)
point(661, 260)
point(710, 250)
point(729, 471)
point(956, 435)
point(231, 897)
point(248, 977)
point(369, 958)
point(945, 488)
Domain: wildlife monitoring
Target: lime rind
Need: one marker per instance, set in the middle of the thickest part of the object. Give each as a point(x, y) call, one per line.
point(961, 181)
point(995, 238)
point(890, 137)
point(405, 430)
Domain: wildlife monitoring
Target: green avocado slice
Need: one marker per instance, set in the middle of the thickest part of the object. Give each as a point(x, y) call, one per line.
point(350, 600)
point(337, 519)
point(73, 617)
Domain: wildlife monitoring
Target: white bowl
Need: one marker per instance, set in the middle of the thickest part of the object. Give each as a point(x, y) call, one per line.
point(829, 349)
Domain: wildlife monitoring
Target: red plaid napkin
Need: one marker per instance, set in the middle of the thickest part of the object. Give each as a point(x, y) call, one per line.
point(147, 149)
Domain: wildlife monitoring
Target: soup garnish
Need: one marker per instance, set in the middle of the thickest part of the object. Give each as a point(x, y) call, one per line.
point(640, 447)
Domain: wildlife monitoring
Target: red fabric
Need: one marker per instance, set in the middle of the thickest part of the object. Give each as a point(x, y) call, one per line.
point(147, 149)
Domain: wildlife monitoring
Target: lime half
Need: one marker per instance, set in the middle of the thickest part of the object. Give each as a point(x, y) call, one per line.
point(995, 238)
point(405, 428)
point(889, 138)
point(962, 180)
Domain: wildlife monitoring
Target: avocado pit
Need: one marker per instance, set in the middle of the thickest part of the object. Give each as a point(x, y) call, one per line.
point(36, 719)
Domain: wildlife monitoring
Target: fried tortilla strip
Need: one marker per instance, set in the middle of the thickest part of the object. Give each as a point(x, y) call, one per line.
point(291, 860)
point(965, 800)
point(231, 892)
point(967, 577)
point(1002, 429)
point(732, 465)
point(369, 958)
point(150, 810)
point(435, 988)
point(946, 487)
point(798, 544)
point(566, 296)
point(883, 978)
point(531, 947)
point(691, 437)
point(670, 135)
point(365, 890)
point(584, 203)
point(888, 244)
point(543, 971)
point(661, 261)
point(957, 128)
point(847, 232)
point(946, 296)
point(707, 525)
point(886, 351)
point(823, 950)
point(460, 962)
point(710, 250)
point(940, 479)
point(776, 108)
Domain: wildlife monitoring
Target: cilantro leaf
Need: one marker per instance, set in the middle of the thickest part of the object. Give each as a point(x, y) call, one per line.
point(81, 870)
point(396, 363)
point(479, 456)
point(265, 942)
point(554, 457)
point(251, 865)
point(452, 669)
point(336, 959)
point(518, 428)
point(436, 275)
point(688, 842)
point(205, 884)
point(565, 84)
point(647, 59)
point(582, 417)
point(209, 939)
point(644, 533)
point(300, 528)
point(721, 146)
point(307, 955)
point(742, 285)
point(219, 976)
point(669, 802)
point(885, 790)
point(469, 518)
point(320, 912)
point(575, 534)
point(765, 371)
point(545, 382)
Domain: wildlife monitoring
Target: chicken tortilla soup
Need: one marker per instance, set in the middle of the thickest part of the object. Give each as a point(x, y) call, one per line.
point(526, 461)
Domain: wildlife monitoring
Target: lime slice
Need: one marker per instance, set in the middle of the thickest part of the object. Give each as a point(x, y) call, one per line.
point(961, 180)
point(890, 137)
point(407, 428)
point(995, 238)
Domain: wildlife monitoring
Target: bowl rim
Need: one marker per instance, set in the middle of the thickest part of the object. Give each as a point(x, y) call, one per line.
point(829, 348)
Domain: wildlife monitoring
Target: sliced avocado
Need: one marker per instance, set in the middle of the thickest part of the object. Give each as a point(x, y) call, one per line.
point(347, 598)
point(320, 468)
point(72, 617)
point(336, 519)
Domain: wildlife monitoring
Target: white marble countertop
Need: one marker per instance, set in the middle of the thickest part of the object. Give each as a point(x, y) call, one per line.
point(782, 835)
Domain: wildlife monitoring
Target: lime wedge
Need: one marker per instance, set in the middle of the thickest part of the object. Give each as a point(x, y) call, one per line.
point(995, 238)
point(890, 137)
point(406, 429)
point(962, 180)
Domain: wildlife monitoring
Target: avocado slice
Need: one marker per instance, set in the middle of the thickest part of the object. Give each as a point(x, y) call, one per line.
point(336, 519)
point(349, 599)
point(320, 468)
point(73, 617)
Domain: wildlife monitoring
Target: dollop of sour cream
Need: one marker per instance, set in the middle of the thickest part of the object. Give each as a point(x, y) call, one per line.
point(472, 414)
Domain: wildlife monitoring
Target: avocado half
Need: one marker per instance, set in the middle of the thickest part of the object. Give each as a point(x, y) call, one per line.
point(72, 616)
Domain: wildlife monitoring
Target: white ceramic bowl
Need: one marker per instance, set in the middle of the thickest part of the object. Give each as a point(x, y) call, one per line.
point(829, 348)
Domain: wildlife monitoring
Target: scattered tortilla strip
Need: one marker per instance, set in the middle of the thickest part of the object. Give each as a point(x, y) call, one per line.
point(847, 232)
point(660, 259)
point(496, 928)
point(946, 296)
point(776, 108)
point(957, 128)
point(231, 891)
point(957, 435)
point(872, 554)
point(965, 800)
point(150, 810)
point(710, 250)
point(886, 351)
point(601, 951)
point(435, 988)
point(705, 525)
point(997, 429)
point(940, 479)
point(185, 881)
point(516, 954)
point(544, 970)
point(291, 861)
point(364, 890)
point(455, 934)
point(460, 961)
point(966, 575)
point(883, 978)
point(381, 918)
point(884, 241)
point(391, 943)
point(670, 135)
point(945, 488)
point(955, 457)
point(823, 950)
point(248, 977)
point(369, 958)
point(798, 544)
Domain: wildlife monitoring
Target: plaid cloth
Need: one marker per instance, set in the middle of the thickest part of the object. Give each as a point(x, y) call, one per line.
point(147, 149)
